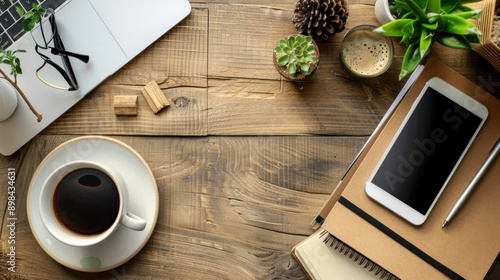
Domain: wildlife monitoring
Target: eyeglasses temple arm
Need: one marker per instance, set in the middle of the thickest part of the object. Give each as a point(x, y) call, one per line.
point(82, 57)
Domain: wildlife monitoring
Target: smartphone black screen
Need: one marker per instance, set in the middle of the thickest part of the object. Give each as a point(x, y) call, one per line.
point(427, 150)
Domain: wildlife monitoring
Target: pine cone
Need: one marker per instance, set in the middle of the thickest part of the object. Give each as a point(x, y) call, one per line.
point(320, 19)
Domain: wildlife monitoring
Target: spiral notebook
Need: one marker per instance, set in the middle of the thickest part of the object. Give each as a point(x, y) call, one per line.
point(322, 256)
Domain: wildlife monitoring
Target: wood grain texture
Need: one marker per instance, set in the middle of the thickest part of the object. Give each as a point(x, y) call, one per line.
point(217, 68)
point(178, 63)
point(234, 201)
point(248, 97)
point(125, 105)
point(230, 207)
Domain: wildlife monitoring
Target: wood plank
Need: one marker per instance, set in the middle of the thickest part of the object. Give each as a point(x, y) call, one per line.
point(243, 82)
point(178, 63)
point(248, 97)
point(230, 207)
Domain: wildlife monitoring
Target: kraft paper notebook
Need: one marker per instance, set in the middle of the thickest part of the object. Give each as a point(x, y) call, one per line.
point(468, 246)
point(323, 256)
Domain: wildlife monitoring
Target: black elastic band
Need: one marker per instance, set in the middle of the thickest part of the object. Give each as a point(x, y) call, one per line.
point(319, 219)
point(398, 238)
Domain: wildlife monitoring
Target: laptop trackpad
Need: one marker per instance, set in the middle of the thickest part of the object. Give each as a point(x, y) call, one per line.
point(83, 31)
point(136, 24)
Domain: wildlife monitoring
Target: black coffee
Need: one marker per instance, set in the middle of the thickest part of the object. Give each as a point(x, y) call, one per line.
point(86, 201)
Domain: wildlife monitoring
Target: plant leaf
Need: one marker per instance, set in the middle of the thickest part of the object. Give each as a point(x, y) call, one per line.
point(18, 70)
point(29, 15)
point(37, 17)
point(304, 68)
point(283, 60)
point(292, 69)
point(311, 49)
point(300, 39)
point(421, 3)
point(458, 25)
point(394, 28)
point(474, 14)
point(430, 26)
point(411, 60)
point(18, 51)
point(426, 40)
point(462, 8)
point(19, 9)
point(454, 41)
point(433, 6)
point(473, 38)
point(419, 12)
point(449, 5)
point(28, 25)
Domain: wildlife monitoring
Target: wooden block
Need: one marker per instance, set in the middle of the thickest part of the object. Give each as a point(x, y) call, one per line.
point(125, 105)
point(155, 96)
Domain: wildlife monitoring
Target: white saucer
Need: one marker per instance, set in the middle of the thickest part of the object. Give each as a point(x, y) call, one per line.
point(124, 243)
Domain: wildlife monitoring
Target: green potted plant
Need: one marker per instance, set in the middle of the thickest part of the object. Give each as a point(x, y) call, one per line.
point(445, 22)
point(296, 57)
point(9, 87)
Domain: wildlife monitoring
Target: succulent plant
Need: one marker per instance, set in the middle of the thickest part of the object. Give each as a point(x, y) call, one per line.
point(298, 54)
point(428, 21)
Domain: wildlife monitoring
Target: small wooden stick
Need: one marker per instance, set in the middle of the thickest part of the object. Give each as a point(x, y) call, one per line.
point(125, 105)
point(155, 96)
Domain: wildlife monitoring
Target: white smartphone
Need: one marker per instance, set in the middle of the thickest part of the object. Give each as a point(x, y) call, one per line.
point(426, 150)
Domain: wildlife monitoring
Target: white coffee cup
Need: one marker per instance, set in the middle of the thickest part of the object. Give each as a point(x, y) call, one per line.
point(69, 236)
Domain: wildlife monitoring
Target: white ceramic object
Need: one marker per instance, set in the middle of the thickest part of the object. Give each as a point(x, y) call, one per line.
point(382, 11)
point(49, 217)
point(8, 100)
point(123, 243)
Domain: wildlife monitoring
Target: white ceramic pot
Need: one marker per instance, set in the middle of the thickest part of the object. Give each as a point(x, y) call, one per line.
point(382, 11)
point(8, 100)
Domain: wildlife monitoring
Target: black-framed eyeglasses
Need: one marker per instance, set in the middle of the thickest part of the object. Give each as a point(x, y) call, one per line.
point(51, 73)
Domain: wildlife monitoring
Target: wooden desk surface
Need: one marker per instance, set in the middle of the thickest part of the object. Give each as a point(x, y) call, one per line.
point(243, 159)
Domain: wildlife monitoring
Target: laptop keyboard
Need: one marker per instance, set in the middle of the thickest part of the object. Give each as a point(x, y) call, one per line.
point(11, 25)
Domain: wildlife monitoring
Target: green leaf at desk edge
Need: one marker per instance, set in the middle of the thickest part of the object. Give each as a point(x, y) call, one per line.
point(444, 21)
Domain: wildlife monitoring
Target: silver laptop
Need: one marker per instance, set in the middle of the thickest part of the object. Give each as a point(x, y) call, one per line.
point(110, 32)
